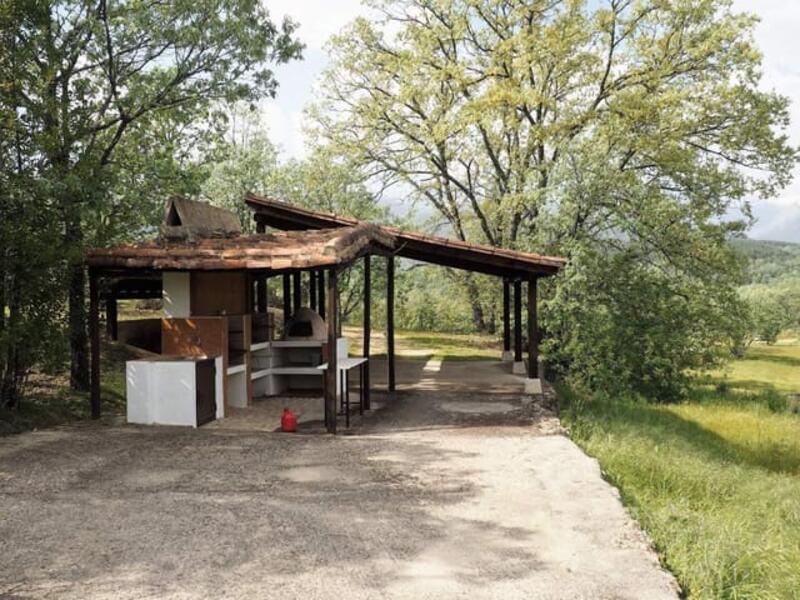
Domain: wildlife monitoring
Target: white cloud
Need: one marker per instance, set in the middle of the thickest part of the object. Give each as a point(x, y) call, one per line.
point(777, 36)
point(318, 20)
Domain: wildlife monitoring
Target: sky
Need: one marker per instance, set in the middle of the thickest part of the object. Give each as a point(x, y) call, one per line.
point(778, 36)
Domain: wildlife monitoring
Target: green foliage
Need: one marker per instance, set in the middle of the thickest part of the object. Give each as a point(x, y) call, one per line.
point(101, 106)
point(49, 402)
point(323, 183)
point(710, 479)
point(713, 480)
point(247, 163)
point(619, 326)
point(424, 345)
point(769, 262)
point(31, 288)
point(618, 134)
point(433, 299)
point(773, 308)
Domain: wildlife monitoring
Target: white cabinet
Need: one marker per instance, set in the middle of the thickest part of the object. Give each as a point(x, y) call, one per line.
point(173, 391)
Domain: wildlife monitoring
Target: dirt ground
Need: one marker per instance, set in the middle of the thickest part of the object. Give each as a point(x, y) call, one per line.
point(439, 494)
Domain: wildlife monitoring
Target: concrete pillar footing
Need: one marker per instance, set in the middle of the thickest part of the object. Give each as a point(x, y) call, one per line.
point(533, 386)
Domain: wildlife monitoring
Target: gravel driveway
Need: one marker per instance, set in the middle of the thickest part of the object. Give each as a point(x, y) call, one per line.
point(446, 495)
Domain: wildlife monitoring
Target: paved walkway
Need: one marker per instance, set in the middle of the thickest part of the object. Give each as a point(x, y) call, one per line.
point(438, 495)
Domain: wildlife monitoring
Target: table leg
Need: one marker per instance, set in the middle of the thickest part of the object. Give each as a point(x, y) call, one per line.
point(346, 399)
point(361, 390)
point(367, 400)
point(341, 392)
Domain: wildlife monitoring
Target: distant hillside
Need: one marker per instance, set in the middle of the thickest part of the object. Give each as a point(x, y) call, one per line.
point(770, 262)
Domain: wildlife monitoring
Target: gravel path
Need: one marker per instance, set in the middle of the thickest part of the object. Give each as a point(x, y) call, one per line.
point(432, 498)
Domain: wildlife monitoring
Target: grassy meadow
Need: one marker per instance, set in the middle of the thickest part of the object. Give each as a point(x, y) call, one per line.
point(715, 480)
point(423, 345)
point(50, 401)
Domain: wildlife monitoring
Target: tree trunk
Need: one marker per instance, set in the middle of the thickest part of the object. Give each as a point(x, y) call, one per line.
point(491, 323)
point(79, 363)
point(4, 363)
point(478, 316)
point(78, 339)
point(13, 372)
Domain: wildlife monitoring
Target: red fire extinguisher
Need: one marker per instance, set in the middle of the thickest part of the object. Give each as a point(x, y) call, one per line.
point(288, 421)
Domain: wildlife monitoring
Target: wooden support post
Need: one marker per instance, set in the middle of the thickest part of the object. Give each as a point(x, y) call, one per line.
point(112, 329)
point(367, 330)
point(261, 294)
point(287, 299)
point(390, 321)
point(261, 281)
point(94, 344)
point(506, 318)
point(312, 290)
point(297, 291)
point(331, 374)
point(533, 331)
point(321, 289)
point(517, 321)
point(339, 312)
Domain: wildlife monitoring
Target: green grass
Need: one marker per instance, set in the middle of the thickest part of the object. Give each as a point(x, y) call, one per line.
point(49, 402)
point(764, 367)
point(715, 481)
point(422, 345)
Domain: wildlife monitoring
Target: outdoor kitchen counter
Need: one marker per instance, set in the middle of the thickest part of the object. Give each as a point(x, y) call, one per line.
point(174, 390)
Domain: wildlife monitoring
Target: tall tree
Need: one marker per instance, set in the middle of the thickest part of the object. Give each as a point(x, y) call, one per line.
point(624, 128)
point(247, 161)
point(95, 69)
point(481, 106)
point(324, 183)
point(31, 303)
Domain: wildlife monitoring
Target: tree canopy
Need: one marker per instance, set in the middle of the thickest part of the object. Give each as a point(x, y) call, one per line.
point(622, 133)
point(87, 86)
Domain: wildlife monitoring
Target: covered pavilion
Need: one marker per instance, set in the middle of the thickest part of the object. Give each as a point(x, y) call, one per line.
point(214, 283)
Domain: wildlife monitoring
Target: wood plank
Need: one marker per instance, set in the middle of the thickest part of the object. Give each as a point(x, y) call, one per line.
point(517, 320)
point(94, 344)
point(533, 331)
point(112, 328)
point(287, 298)
point(367, 326)
point(321, 287)
point(219, 292)
point(506, 315)
point(331, 374)
point(297, 291)
point(390, 322)
point(261, 279)
point(197, 336)
point(312, 290)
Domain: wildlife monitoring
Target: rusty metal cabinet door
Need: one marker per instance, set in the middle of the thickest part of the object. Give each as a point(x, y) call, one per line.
point(205, 380)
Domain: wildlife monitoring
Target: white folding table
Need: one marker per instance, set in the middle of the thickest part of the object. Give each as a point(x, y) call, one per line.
point(344, 366)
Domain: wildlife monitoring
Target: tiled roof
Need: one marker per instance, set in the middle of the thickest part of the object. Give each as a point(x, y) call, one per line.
point(419, 246)
point(275, 251)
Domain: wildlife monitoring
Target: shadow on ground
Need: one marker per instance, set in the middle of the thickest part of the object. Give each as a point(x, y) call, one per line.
point(159, 509)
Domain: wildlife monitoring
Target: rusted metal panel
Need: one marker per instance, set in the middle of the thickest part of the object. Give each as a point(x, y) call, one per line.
point(219, 292)
point(197, 336)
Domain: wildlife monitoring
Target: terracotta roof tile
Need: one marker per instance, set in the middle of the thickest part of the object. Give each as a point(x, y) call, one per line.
point(275, 251)
point(420, 246)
